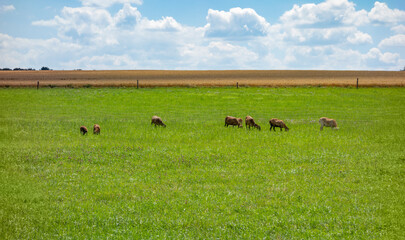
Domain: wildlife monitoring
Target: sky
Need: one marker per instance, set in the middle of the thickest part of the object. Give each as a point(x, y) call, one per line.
point(201, 35)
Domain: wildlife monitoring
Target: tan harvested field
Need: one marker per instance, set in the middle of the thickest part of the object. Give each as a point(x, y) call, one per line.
point(163, 78)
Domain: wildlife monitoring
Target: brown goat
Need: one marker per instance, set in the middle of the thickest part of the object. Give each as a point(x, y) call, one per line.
point(157, 121)
point(274, 122)
point(83, 130)
point(249, 121)
point(328, 122)
point(96, 129)
point(233, 121)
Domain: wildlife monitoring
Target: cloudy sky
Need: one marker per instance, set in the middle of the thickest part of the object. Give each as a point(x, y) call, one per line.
point(209, 34)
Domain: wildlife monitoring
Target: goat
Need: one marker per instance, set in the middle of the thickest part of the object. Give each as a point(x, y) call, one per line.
point(249, 121)
point(157, 121)
point(233, 121)
point(83, 130)
point(328, 122)
point(96, 129)
point(274, 122)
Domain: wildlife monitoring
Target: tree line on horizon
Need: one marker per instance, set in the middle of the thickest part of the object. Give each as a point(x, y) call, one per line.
point(25, 69)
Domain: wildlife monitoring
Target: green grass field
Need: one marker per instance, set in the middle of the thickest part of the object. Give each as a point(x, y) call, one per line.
point(197, 178)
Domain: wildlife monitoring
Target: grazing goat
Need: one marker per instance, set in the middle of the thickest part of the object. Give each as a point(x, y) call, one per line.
point(96, 129)
point(157, 121)
point(83, 130)
point(249, 121)
point(328, 122)
point(274, 122)
point(233, 121)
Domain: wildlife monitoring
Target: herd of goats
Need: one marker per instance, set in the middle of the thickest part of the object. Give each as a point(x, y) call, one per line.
point(233, 121)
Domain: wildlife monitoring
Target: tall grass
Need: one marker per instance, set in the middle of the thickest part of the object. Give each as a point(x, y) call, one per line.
point(197, 178)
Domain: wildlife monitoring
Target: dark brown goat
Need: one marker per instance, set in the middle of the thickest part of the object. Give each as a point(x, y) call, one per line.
point(274, 122)
point(157, 121)
point(233, 121)
point(96, 129)
point(249, 121)
point(83, 130)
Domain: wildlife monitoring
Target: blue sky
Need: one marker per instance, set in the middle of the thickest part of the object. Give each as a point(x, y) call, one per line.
point(193, 35)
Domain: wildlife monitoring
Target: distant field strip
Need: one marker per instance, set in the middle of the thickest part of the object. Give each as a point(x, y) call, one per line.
point(163, 78)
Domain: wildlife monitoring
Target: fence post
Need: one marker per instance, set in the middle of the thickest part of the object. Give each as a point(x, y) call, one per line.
point(37, 85)
point(357, 85)
point(137, 83)
point(237, 85)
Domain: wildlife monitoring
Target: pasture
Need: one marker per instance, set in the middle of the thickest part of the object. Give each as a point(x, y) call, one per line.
point(196, 178)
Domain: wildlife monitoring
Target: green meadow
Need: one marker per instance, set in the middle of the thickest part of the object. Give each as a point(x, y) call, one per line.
point(196, 179)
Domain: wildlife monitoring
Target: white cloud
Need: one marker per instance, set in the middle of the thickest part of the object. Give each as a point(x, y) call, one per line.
point(381, 13)
point(108, 3)
point(7, 8)
point(84, 24)
point(387, 57)
point(399, 28)
point(164, 24)
point(359, 38)
point(393, 41)
point(23, 52)
point(336, 58)
point(327, 23)
point(90, 25)
point(330, 12)
point(325, 36)
point(128, 16)
point(237, 22)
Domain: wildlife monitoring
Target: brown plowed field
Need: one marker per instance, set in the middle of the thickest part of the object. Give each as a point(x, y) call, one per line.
point(162, 78)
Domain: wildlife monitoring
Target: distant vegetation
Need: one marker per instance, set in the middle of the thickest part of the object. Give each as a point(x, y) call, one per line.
point(24, 69)
point(17, 69)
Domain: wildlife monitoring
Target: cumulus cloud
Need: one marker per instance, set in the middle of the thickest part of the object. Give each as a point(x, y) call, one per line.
point(330, 12)
point(164, 24)
point(237, 22)
point(326, 23)
point(326, 36)
point(387, 57)
point(359, 38)
point(90, 25)
point(127, 17)
point(108, 3)
point(393, 41)
point(83, 24)
point(381, 13)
